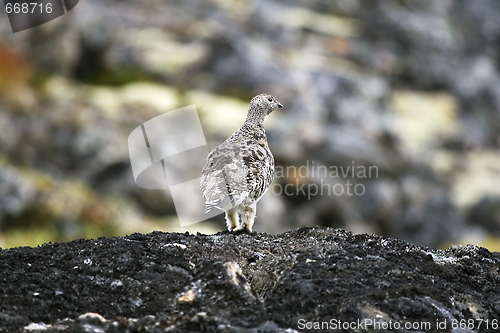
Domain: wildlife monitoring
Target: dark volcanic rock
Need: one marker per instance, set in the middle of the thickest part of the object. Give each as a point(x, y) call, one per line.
point(245, 283)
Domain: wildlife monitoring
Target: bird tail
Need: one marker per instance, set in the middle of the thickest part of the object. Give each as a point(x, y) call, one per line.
point(210, 206)
point(225, 204)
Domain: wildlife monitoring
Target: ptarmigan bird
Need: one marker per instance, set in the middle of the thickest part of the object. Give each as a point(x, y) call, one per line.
point(238, 172)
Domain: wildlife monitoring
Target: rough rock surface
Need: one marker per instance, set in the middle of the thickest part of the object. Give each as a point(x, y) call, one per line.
point(244, 283)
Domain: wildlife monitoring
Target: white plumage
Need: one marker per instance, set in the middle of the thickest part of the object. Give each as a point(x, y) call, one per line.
point(238, 172)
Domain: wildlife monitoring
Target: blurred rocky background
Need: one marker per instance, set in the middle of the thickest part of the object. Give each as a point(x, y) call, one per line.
point(406, 89)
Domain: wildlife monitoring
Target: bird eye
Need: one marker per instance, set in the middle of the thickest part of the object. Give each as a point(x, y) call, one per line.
point(269, 99)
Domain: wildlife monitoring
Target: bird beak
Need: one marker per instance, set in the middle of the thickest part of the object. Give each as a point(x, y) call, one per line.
point(280, 105)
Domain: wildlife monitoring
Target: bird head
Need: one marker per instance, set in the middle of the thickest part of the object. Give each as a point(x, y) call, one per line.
point(265, 103)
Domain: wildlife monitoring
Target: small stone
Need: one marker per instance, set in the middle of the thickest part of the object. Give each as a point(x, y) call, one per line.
point(187, 297)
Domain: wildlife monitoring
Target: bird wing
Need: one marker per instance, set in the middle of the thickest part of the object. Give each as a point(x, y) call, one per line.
point(234, 172)
point(259, 162)
point(224, 177)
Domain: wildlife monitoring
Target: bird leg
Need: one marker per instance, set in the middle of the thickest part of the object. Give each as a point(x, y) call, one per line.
point(232, 219)
point(248, 216)
point(241, 223)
